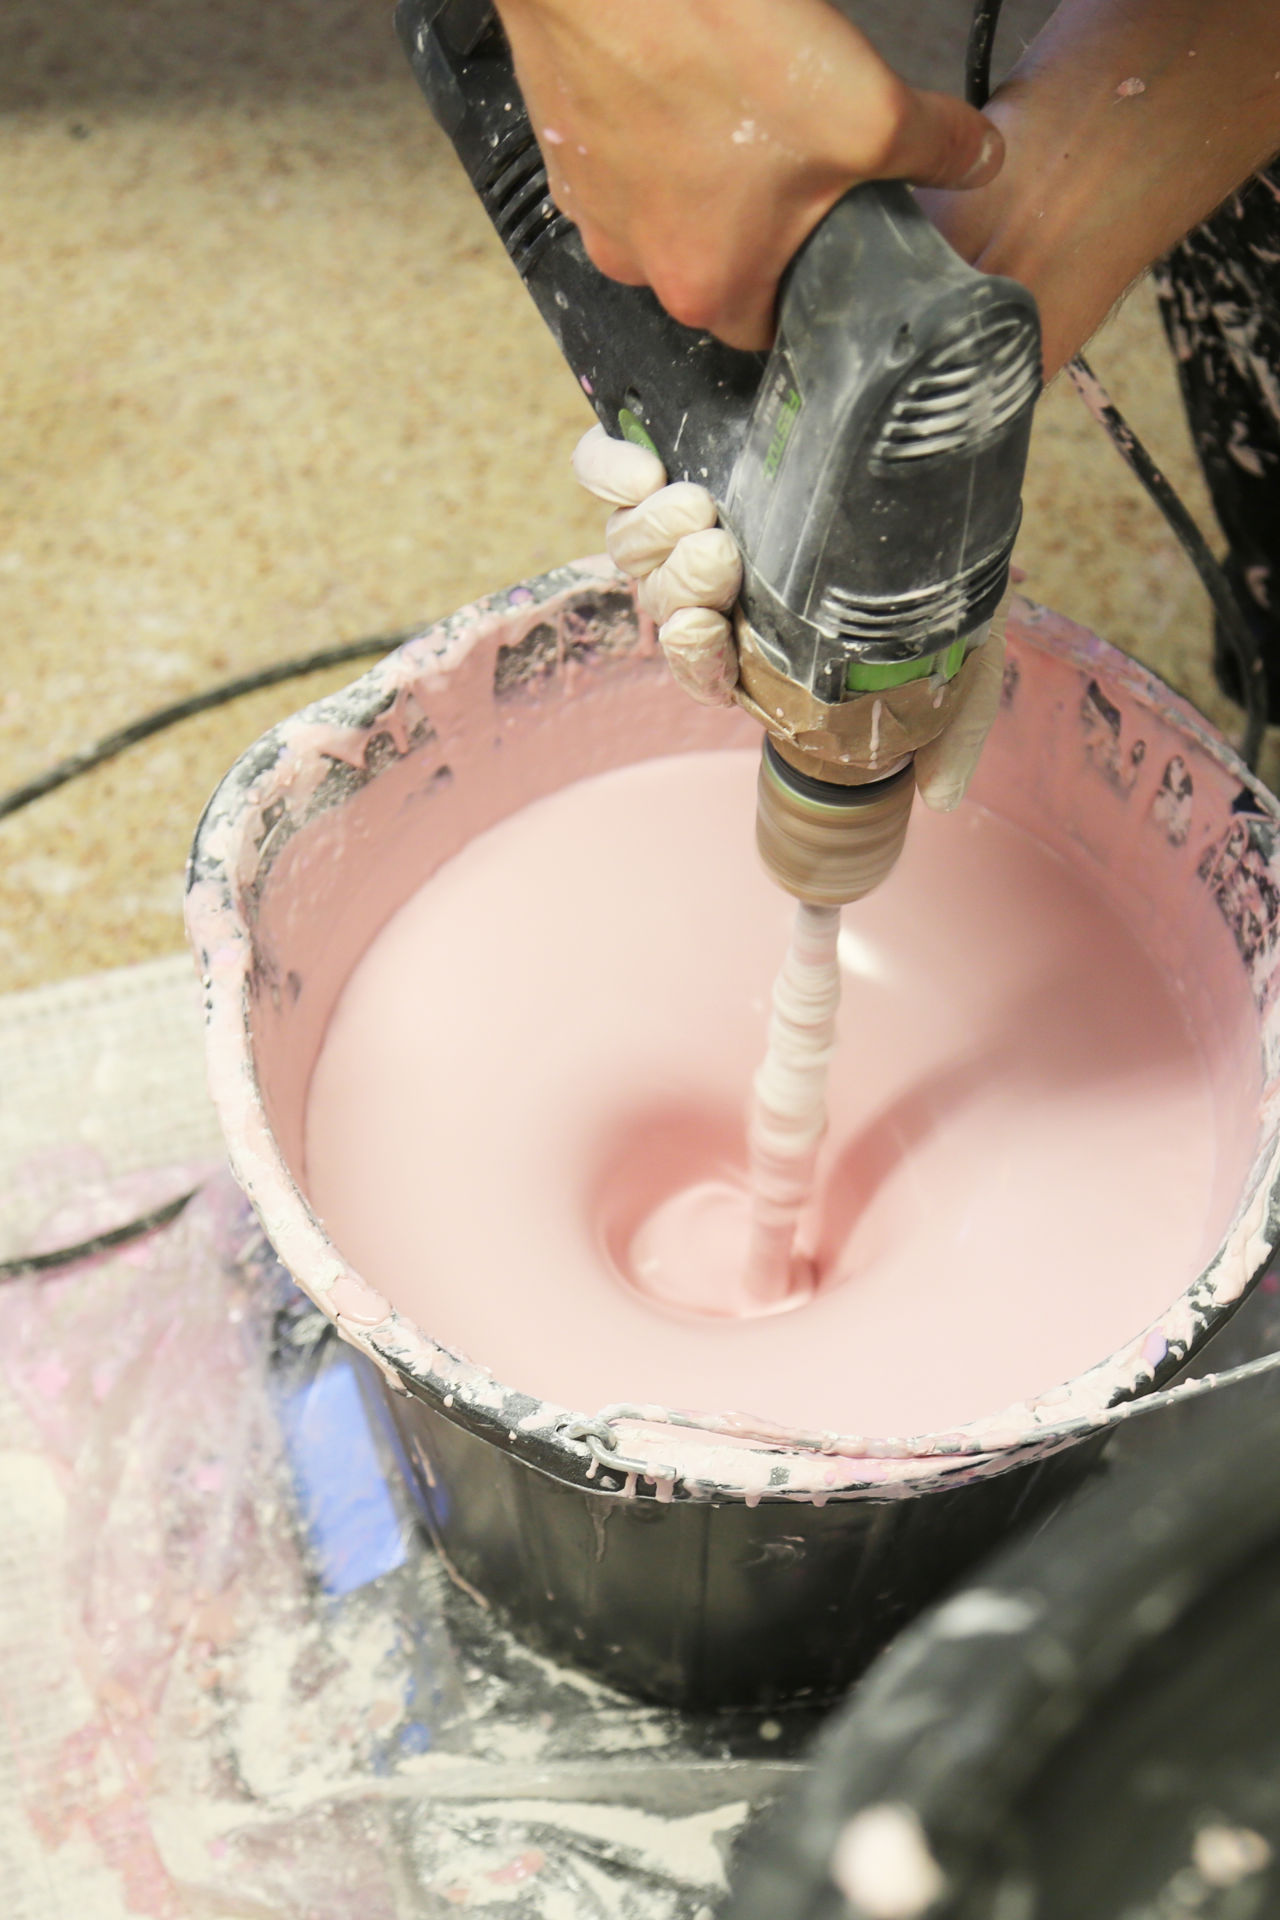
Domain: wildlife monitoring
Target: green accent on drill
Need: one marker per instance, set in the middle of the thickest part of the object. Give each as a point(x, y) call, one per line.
point(788, 413)
point(874, 676)
point(634, 431)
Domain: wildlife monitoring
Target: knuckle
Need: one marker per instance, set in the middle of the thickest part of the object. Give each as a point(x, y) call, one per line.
point(614, 260)
point(880, 127)
point(954, 153)
point(691, 296)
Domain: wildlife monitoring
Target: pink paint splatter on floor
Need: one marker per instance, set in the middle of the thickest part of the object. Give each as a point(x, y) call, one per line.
point(523, 1867)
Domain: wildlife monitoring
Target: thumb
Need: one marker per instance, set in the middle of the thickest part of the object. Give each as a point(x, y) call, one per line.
point(941, 142)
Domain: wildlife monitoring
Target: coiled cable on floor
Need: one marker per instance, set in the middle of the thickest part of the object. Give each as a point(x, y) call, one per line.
point(1233, 624)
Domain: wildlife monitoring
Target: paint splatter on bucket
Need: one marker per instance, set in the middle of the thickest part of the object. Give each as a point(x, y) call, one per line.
point(786, 1559)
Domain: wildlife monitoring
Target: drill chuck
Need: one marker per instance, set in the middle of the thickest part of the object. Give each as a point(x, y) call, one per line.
point(829, 844)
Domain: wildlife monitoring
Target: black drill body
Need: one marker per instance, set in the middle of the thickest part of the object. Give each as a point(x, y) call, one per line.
point(870, 466)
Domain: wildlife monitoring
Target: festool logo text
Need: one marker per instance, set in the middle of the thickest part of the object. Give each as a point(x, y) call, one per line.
point(781, 433)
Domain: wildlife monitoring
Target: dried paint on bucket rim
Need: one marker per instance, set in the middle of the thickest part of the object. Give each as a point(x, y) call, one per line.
point(1175, 793)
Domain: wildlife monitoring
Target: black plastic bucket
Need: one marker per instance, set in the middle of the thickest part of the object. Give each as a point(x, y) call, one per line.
point(660, 1556)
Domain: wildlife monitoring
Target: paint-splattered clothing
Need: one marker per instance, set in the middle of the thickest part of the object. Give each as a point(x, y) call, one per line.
point(1220, 300)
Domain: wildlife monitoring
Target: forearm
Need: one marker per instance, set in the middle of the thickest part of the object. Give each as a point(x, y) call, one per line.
point(1125, 123)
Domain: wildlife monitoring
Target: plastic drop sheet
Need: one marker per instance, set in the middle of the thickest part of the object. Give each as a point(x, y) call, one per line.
point(234, 1681)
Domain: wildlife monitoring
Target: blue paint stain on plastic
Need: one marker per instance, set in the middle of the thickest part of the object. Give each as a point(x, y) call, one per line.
point(352, 1525)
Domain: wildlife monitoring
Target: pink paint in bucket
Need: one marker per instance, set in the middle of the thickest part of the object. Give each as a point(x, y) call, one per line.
point(325, 828)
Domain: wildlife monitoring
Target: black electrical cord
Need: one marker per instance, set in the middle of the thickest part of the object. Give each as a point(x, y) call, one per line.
point(218, 696)
point(977, 54)
point(1234, 626)
point(151, 1222)
point(107, 748)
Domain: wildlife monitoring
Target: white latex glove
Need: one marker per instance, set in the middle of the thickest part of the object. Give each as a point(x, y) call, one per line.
point(688, 568)
point(689, 572)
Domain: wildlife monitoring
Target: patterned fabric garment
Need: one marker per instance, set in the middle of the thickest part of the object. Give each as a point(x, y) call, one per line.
point(1220, 301)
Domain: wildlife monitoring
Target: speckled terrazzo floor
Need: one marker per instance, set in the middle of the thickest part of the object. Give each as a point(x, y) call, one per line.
point(267, 383)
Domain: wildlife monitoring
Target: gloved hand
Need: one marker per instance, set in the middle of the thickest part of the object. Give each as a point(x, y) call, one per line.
point(689, 572)
point(688, 568)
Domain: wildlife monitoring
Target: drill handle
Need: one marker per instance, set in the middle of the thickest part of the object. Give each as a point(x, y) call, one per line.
point(869, 467)
point(649, 378)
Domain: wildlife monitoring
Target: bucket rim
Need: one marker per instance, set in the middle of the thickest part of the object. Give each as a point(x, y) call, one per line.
point(648, 1452)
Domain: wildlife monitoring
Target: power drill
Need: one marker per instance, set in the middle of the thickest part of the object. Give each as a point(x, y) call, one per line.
point(869, 466)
